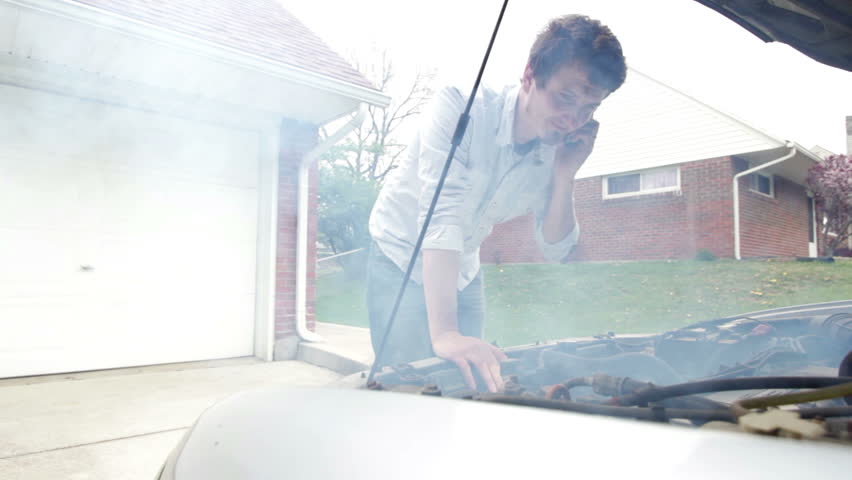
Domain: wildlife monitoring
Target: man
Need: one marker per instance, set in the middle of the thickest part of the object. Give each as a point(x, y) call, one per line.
point(520, 153)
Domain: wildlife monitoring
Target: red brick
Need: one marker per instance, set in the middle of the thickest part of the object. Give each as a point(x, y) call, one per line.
point(296, 140)
point(666, 225)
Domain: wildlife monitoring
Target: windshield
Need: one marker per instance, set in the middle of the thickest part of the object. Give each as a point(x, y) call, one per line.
point(695, 203)
point(204, 198)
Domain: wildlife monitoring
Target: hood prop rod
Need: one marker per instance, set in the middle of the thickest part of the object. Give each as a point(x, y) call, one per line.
point(461, 126)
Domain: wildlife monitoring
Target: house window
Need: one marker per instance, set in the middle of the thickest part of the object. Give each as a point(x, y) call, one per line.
point(764, 184)
point(624, 184)
point(649, 181)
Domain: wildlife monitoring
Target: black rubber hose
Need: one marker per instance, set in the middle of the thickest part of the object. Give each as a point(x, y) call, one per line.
point(611, 386)
point(692, 403)
point(655, 394)
point(825, 412)
point(659, 414)
point(845, 370)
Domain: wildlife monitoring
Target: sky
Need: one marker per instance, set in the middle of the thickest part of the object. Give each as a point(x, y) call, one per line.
point(771, 87)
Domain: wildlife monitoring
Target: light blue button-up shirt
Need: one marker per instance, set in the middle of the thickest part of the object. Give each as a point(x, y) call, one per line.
point(488, 183)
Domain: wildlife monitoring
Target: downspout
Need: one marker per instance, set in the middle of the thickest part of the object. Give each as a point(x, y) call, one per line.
point(737, 177)
point(302, 224)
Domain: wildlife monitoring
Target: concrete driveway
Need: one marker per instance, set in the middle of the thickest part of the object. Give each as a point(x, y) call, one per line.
point(121, 424)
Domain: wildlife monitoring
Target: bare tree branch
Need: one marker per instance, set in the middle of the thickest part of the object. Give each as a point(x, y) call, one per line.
point(373, 150)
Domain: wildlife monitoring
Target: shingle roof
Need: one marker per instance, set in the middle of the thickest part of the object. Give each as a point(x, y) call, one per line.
point(259, 27)
point(647, 124)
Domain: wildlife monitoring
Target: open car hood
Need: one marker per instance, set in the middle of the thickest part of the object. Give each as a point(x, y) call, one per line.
point(821, 29)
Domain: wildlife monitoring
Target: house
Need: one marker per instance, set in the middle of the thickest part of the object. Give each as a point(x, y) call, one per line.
point(821, 152)
point(660, 185)
point(149, 166)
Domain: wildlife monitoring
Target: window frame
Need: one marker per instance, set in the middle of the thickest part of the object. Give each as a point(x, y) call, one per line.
point(676, 188)
point(770, 176)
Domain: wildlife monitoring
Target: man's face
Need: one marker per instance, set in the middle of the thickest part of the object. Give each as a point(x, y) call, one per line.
point(563, 104)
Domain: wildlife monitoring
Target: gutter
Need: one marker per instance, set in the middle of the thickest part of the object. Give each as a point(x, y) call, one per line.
point(302, 224)
point(737, 246)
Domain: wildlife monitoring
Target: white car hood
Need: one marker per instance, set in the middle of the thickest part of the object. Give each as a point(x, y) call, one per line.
point(324, 433)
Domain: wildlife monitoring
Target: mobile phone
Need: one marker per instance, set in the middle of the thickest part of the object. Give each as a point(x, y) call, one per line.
point(573, 139)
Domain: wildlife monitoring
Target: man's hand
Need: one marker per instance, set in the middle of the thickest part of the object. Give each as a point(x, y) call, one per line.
point(440, 276)
point(573, 152)
point(467, 351)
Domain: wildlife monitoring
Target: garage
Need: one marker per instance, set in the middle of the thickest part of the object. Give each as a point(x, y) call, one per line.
point(149, 169)
point(128, 237)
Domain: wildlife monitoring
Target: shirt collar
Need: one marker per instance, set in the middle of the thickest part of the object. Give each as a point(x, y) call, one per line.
point(505, 130)
point(542, 154)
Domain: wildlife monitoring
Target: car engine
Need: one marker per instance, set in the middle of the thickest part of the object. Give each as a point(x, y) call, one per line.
point(784, 372)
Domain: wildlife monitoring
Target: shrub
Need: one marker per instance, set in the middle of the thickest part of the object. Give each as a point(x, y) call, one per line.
point(705, 255)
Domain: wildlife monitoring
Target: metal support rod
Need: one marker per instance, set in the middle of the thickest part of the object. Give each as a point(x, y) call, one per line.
point(457, 138)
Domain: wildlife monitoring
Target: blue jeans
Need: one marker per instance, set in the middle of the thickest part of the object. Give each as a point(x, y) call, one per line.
point(410, 339)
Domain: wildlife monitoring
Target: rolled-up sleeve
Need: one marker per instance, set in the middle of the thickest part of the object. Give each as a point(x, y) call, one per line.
point(445, 230)
point(556, 252)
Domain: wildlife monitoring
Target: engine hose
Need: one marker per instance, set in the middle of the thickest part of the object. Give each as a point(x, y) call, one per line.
point(659, 414)
point(827, 393)
point(825, 412)
point(610, 386)
point(655, 393)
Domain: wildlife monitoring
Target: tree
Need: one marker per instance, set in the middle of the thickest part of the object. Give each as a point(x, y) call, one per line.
point(373, 150)
point(352, 172)
point(344, 208)
point(831, 184)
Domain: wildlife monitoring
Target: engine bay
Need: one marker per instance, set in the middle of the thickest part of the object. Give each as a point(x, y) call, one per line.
point(785, 372)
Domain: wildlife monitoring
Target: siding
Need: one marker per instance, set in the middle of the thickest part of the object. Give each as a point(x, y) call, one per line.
point(647, 124)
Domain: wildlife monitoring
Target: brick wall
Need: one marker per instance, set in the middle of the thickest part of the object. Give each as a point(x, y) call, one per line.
point(511, 242)
point(668, 225)
point(774, 226)
point(655, 226)
point(296, 140)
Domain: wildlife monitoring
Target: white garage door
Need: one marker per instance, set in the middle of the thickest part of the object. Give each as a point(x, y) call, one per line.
point(126, 237)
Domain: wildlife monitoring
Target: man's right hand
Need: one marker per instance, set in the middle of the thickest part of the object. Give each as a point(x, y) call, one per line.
point(467, 351)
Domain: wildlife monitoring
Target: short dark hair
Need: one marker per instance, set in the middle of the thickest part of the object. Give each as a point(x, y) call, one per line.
point(578, 38)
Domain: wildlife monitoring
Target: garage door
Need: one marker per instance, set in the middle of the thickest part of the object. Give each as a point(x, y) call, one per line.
point(126, 237)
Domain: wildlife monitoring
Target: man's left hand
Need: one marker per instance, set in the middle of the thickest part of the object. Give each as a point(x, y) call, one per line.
point(573, 152)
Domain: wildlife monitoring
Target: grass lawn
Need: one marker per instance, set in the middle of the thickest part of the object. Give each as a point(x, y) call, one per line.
point(526, 303)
